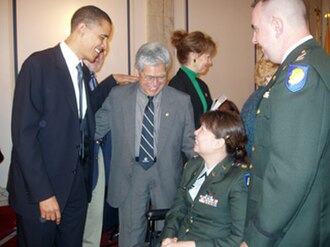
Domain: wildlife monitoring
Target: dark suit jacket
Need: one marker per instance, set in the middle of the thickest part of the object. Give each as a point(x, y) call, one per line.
point(289, 197)
point(45, 132)
point(101, 91)
point(182, 82)
point(175, 136)
point(218, 224)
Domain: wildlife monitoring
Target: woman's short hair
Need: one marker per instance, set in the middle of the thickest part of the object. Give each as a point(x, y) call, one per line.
point(228, 106)
point(229, 126)
point(152, 54)
point(196, 41)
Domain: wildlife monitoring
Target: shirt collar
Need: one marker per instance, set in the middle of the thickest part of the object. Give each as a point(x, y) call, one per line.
point(70, 57)
point(208, 171)
point(189, 72)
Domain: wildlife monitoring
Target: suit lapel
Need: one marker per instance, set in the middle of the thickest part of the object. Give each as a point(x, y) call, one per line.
point(217, 174)
point(64, 78)
point(167, 106)
point(129, 111)
point(193, 179)
point(89, 110)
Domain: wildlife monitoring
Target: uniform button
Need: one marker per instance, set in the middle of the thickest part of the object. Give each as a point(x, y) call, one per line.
point(187, 230)
point(253, 149)
point(191, 221)
point(243, 166)
point(192, 205)
point(258, 111)
point(74, 172)
point(251, 166)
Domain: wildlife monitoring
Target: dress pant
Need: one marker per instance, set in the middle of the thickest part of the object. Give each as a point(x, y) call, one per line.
point(32, 232)
point(146, 190)
point(94, 219)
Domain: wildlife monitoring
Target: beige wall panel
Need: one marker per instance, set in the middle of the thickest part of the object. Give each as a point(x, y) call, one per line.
point(6, 85)
point(50, 24)
point(138, 26)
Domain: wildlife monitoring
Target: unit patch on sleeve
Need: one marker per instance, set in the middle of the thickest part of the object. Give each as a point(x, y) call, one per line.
point(296, 77)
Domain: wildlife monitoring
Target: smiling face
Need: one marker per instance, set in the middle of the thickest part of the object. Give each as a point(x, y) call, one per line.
point(200, 63)
point(266, 33)
point(94, 39)
point(152, 79)
point(205, 141)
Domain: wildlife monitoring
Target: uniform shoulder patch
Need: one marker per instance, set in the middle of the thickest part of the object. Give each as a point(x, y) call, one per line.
point(296, 77)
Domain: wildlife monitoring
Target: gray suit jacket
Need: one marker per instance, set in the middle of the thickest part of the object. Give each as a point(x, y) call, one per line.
point(176, 136)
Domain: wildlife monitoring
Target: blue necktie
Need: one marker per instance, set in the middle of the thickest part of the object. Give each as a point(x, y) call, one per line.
point(92, 82)
point(81, 119)
point(146, 155)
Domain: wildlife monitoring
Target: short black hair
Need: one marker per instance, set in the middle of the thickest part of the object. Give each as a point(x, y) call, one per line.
point(89, 14)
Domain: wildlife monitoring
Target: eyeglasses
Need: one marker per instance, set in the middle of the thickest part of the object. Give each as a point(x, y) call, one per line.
point(150, 78)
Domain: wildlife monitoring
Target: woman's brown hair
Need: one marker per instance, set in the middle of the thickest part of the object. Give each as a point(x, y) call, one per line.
point(196, 41)
point(229, 126)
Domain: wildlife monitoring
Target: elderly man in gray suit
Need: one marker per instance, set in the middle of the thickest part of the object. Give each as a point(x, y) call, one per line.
point(152, 127)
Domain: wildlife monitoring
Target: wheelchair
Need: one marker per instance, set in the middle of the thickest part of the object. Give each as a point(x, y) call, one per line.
point(152, 237)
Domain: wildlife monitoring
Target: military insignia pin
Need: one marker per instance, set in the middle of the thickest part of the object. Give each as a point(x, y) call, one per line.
point(266, 95)
point(247, 180)
point(296, 77)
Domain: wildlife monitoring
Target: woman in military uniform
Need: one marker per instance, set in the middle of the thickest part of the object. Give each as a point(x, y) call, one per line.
point(210, 205)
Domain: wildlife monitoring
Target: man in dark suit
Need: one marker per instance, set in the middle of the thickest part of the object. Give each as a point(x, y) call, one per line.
point(135, 179)
point(289, 196)
point(52, 129)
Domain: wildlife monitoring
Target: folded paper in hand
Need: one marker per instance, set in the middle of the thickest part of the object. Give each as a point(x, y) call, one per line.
point(217, 102)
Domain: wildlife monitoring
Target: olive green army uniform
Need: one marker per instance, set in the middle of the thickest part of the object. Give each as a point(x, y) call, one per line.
point(289, 196)
point(216, 216)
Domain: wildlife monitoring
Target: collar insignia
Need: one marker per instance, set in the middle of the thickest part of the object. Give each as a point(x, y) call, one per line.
point(301, 56)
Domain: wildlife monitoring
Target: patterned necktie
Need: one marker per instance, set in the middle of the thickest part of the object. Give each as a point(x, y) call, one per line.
point(81, 120)
point(92, 82)
point(146, 155)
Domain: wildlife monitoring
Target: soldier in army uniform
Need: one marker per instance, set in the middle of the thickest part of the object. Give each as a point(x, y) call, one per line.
point(210, 205)
point(289, 196)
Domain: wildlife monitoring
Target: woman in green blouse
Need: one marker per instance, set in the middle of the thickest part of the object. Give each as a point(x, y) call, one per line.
point(195, 51)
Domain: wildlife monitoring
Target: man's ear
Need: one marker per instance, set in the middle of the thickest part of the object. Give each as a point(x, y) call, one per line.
point(277, 25)
point(81, 28)
point(136, 72)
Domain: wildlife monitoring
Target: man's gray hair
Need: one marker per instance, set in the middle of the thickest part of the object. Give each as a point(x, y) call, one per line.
point(152, 54)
